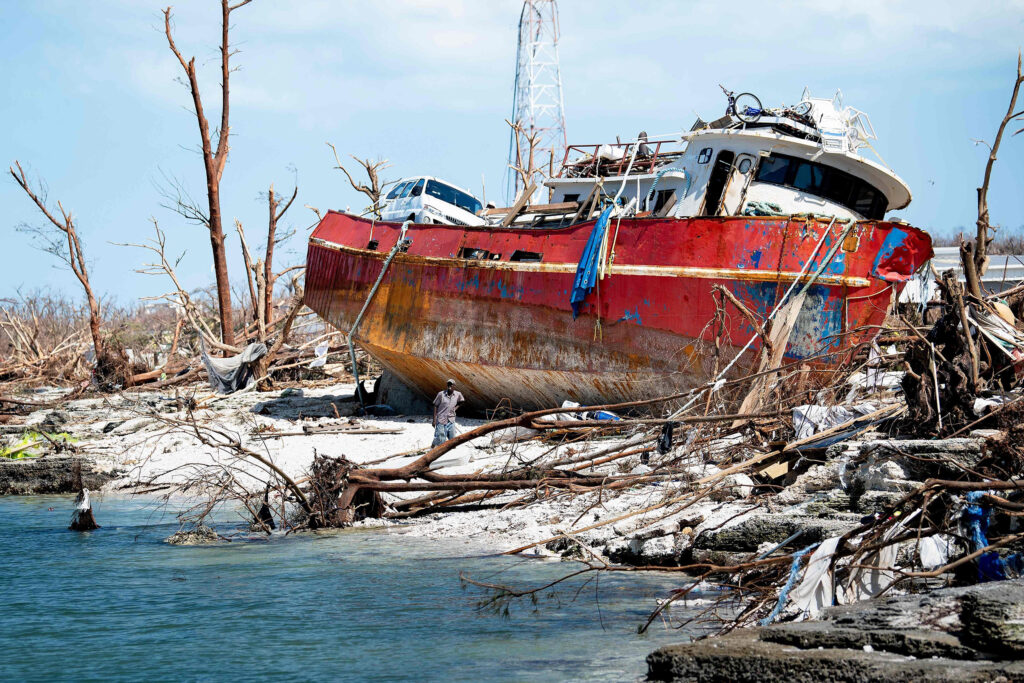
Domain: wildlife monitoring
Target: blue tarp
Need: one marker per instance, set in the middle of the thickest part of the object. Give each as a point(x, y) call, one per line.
point(586, 271)
point(991, 567)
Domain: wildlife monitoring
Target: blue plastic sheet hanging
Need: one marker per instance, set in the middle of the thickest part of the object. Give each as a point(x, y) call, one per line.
point(991, 567)
point(586, 271)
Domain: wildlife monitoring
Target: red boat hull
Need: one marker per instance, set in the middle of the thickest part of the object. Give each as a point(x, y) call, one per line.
point(505, 329)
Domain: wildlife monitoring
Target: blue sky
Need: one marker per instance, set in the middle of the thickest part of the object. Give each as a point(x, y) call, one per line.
point(92, 104)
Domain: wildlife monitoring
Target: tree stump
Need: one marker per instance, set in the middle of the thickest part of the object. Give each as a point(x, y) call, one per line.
point(82, 518)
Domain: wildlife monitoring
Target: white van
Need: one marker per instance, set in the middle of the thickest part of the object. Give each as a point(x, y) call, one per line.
point(428, 200)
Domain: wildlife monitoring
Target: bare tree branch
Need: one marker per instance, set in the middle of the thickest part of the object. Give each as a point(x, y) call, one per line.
point(373, 169)
point(983, 240)
point(74, 256)
point(179, 298)
point(525, 169)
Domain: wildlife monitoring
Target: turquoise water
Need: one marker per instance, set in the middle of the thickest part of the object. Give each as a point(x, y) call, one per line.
point(118, 604)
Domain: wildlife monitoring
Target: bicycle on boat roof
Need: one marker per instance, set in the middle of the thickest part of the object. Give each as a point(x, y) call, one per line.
point(747, 108)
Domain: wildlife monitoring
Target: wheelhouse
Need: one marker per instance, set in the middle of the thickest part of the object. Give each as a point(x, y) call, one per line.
point(796, 160)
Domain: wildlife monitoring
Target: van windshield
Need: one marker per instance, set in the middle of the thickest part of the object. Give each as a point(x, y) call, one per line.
point(398, 188)
point(405, 189)
point(449, 194)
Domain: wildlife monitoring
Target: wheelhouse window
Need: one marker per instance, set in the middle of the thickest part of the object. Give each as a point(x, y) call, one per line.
point(773, 170)
point(865, 199)
point(825, 181)
point(809, 177)
point(450, 195)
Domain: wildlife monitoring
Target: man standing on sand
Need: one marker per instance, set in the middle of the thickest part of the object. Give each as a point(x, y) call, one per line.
point(445, 404)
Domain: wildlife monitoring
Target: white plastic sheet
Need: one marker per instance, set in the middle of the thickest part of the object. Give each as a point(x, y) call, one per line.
point(809, 420)
point(320, 351)
point(814, 593)
point(935, 550)
point(227, 375)
point(867, 583)
point(875, 573)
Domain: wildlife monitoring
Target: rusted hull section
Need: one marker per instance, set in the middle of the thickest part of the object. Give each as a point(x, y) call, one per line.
point(505, 330)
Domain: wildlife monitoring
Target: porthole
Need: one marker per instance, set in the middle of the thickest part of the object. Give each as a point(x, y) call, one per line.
point(744, 165)
point(704, 156)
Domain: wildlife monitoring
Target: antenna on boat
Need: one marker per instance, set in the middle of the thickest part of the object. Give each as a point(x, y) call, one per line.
point(537, 105)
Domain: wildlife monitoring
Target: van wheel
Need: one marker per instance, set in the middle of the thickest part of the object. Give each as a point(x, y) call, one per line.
point(412, 217)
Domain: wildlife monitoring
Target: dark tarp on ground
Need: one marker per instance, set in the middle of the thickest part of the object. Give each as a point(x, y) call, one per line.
point(228, 375)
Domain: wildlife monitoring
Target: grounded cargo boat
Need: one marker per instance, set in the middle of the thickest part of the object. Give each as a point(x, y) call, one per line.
point(605, 294)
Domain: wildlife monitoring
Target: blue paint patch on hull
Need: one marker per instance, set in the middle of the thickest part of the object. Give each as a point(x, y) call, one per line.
point(819, 324)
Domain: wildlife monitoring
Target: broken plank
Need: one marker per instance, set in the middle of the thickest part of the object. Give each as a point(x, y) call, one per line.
point(518, 206)
point(560, 207)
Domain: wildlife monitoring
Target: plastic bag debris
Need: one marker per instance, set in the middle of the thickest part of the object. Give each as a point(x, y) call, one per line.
point(815, 591)
point(320, 351)
point(810, 419)
point(934, 550)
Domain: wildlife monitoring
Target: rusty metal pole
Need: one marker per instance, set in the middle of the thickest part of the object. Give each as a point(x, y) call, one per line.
point(366, 304)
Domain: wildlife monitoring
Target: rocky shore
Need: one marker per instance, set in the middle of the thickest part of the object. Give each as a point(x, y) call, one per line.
point(953, 634)
point(52, 474)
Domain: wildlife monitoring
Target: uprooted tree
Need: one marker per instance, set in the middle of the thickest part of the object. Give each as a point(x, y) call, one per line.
point(215, 147)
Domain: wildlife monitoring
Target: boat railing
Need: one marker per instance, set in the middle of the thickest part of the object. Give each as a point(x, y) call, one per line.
point(612, 159)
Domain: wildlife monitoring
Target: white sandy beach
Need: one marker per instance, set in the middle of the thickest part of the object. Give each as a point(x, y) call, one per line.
point(129, 433)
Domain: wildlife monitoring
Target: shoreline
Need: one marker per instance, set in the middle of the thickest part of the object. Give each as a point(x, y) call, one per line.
point(128, 442)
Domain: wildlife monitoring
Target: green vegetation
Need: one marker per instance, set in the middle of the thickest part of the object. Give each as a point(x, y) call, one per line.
point(28, 445)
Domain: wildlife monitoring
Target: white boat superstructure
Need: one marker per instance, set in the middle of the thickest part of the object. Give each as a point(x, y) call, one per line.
point(804, 159)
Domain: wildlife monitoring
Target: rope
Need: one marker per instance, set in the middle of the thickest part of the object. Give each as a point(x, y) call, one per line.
point(794, 570)
point(872, 148)
point(657, 178)
point(615, 203)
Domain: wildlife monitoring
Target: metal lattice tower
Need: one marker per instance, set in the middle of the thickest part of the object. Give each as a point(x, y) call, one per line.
point(537, 105)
